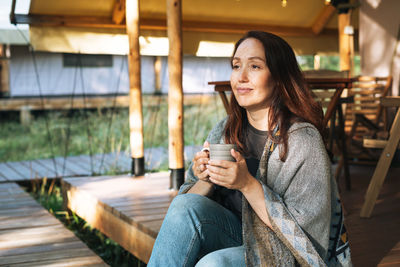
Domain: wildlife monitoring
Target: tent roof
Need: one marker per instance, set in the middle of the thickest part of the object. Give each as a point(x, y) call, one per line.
point(75, 21)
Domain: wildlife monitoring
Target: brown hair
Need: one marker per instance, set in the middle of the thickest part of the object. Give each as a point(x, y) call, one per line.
point(290, 99)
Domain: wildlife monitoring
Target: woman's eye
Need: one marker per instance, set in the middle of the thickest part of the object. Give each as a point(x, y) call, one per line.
point(235, 67)
point(255, 66)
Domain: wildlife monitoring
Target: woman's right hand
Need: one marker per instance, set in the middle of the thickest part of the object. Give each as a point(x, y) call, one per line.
point(199, 163)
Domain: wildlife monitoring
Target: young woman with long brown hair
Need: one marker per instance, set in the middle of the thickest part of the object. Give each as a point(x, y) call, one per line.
point(277, 205)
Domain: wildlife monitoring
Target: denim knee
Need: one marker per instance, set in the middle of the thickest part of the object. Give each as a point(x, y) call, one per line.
point(185, 203)
point(213, 260)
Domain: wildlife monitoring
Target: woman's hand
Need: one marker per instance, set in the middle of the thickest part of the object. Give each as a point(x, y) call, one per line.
point(199, 163)
point(232, 175)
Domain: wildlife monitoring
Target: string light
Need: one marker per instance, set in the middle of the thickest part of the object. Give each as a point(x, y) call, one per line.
point(284, 3)
point(327, 2)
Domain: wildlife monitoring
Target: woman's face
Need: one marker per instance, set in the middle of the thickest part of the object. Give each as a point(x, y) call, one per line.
point(250, 79)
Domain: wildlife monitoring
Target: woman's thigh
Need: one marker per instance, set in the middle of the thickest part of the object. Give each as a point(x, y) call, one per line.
point(215, 226)
point(193, 227)
point(233, 256)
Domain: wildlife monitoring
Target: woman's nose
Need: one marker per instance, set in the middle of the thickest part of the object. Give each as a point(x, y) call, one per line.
point(243, 75)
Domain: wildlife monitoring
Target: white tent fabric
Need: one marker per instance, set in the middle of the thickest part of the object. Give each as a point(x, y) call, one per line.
point(55, 79)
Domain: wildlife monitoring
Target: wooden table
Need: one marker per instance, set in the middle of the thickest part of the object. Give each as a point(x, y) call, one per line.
point(339, 84)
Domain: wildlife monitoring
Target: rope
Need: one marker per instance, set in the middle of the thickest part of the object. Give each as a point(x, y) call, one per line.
point(41, 99)
point(85, 115)
point(158, 107)
point(70, 120)
point(112, 114)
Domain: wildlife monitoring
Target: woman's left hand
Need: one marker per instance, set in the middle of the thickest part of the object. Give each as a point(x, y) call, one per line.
point(232, 175)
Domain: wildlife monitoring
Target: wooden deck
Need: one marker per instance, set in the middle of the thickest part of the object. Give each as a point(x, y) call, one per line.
point(128, 210)
point(31, 236)
point(131, 210)
point(372, 239)
point(82, 165)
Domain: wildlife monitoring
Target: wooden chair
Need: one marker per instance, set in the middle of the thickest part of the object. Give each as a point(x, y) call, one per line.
point(328, 91)
point(389, 147)
point(365, 117)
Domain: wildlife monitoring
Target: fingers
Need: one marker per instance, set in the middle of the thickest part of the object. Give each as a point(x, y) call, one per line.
point(206, 144)
point(236, 155)
point(221, 163)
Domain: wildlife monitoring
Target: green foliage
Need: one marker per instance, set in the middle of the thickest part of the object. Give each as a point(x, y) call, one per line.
point(86, 132)
point(48, 194)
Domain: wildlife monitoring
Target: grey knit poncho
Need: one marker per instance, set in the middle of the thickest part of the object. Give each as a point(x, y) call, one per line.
point(302, 204)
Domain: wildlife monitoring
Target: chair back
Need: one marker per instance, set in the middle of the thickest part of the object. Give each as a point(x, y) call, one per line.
point(367, 92)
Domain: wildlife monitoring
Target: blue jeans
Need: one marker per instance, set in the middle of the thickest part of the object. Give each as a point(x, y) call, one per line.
point(197, 227)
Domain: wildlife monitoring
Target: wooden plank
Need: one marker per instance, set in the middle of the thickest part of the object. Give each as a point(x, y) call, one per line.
point(28, 221)
point(69, 170)
point(92, 261)
point(21, 212)
point(37, 258)
point(32, 236)
point(38, 170)
point(41, 248)
point(74, 165)
point(375, 143)
point(391, 101)
point(132, 239)
point(10, 173)
point(27, 172)
point(392, 258)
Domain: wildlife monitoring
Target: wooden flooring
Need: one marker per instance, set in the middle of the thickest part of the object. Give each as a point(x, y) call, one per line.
point(31, 236)
point(131, 210)
point(84, 165)
point(128, 210)
point(371, 239)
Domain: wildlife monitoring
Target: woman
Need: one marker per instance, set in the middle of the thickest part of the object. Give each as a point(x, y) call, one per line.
point(277, 205)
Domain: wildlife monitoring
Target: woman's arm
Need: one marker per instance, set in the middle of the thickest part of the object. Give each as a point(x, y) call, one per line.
point(254, 194)
point(202, 188)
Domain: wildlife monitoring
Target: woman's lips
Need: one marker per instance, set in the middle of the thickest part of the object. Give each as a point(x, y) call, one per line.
point(243, 90)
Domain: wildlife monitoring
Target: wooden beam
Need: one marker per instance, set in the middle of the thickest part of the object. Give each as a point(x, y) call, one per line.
point(160, 24)
point(135, 90)
point(119, 12)
point(175, 93)
point(323, 18)
point(64, 103)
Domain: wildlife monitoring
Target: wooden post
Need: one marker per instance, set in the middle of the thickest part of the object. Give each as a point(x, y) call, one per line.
point(157, 74)
point(135, 92)
point(175, 94)
point(344, 42)
point(4, 71)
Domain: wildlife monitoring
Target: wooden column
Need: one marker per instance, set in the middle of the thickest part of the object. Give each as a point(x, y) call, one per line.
point(135, 92)
point(157, 74)
point(4, 71)
point(344, 42)
point(175, 93)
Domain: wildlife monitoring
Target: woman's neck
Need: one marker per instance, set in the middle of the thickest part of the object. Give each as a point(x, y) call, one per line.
point(259, 118)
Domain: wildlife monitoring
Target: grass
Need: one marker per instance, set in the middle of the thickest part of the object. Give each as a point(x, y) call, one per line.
point(99, 131)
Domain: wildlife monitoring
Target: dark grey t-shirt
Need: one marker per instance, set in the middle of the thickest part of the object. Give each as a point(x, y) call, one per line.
point(255, 142)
